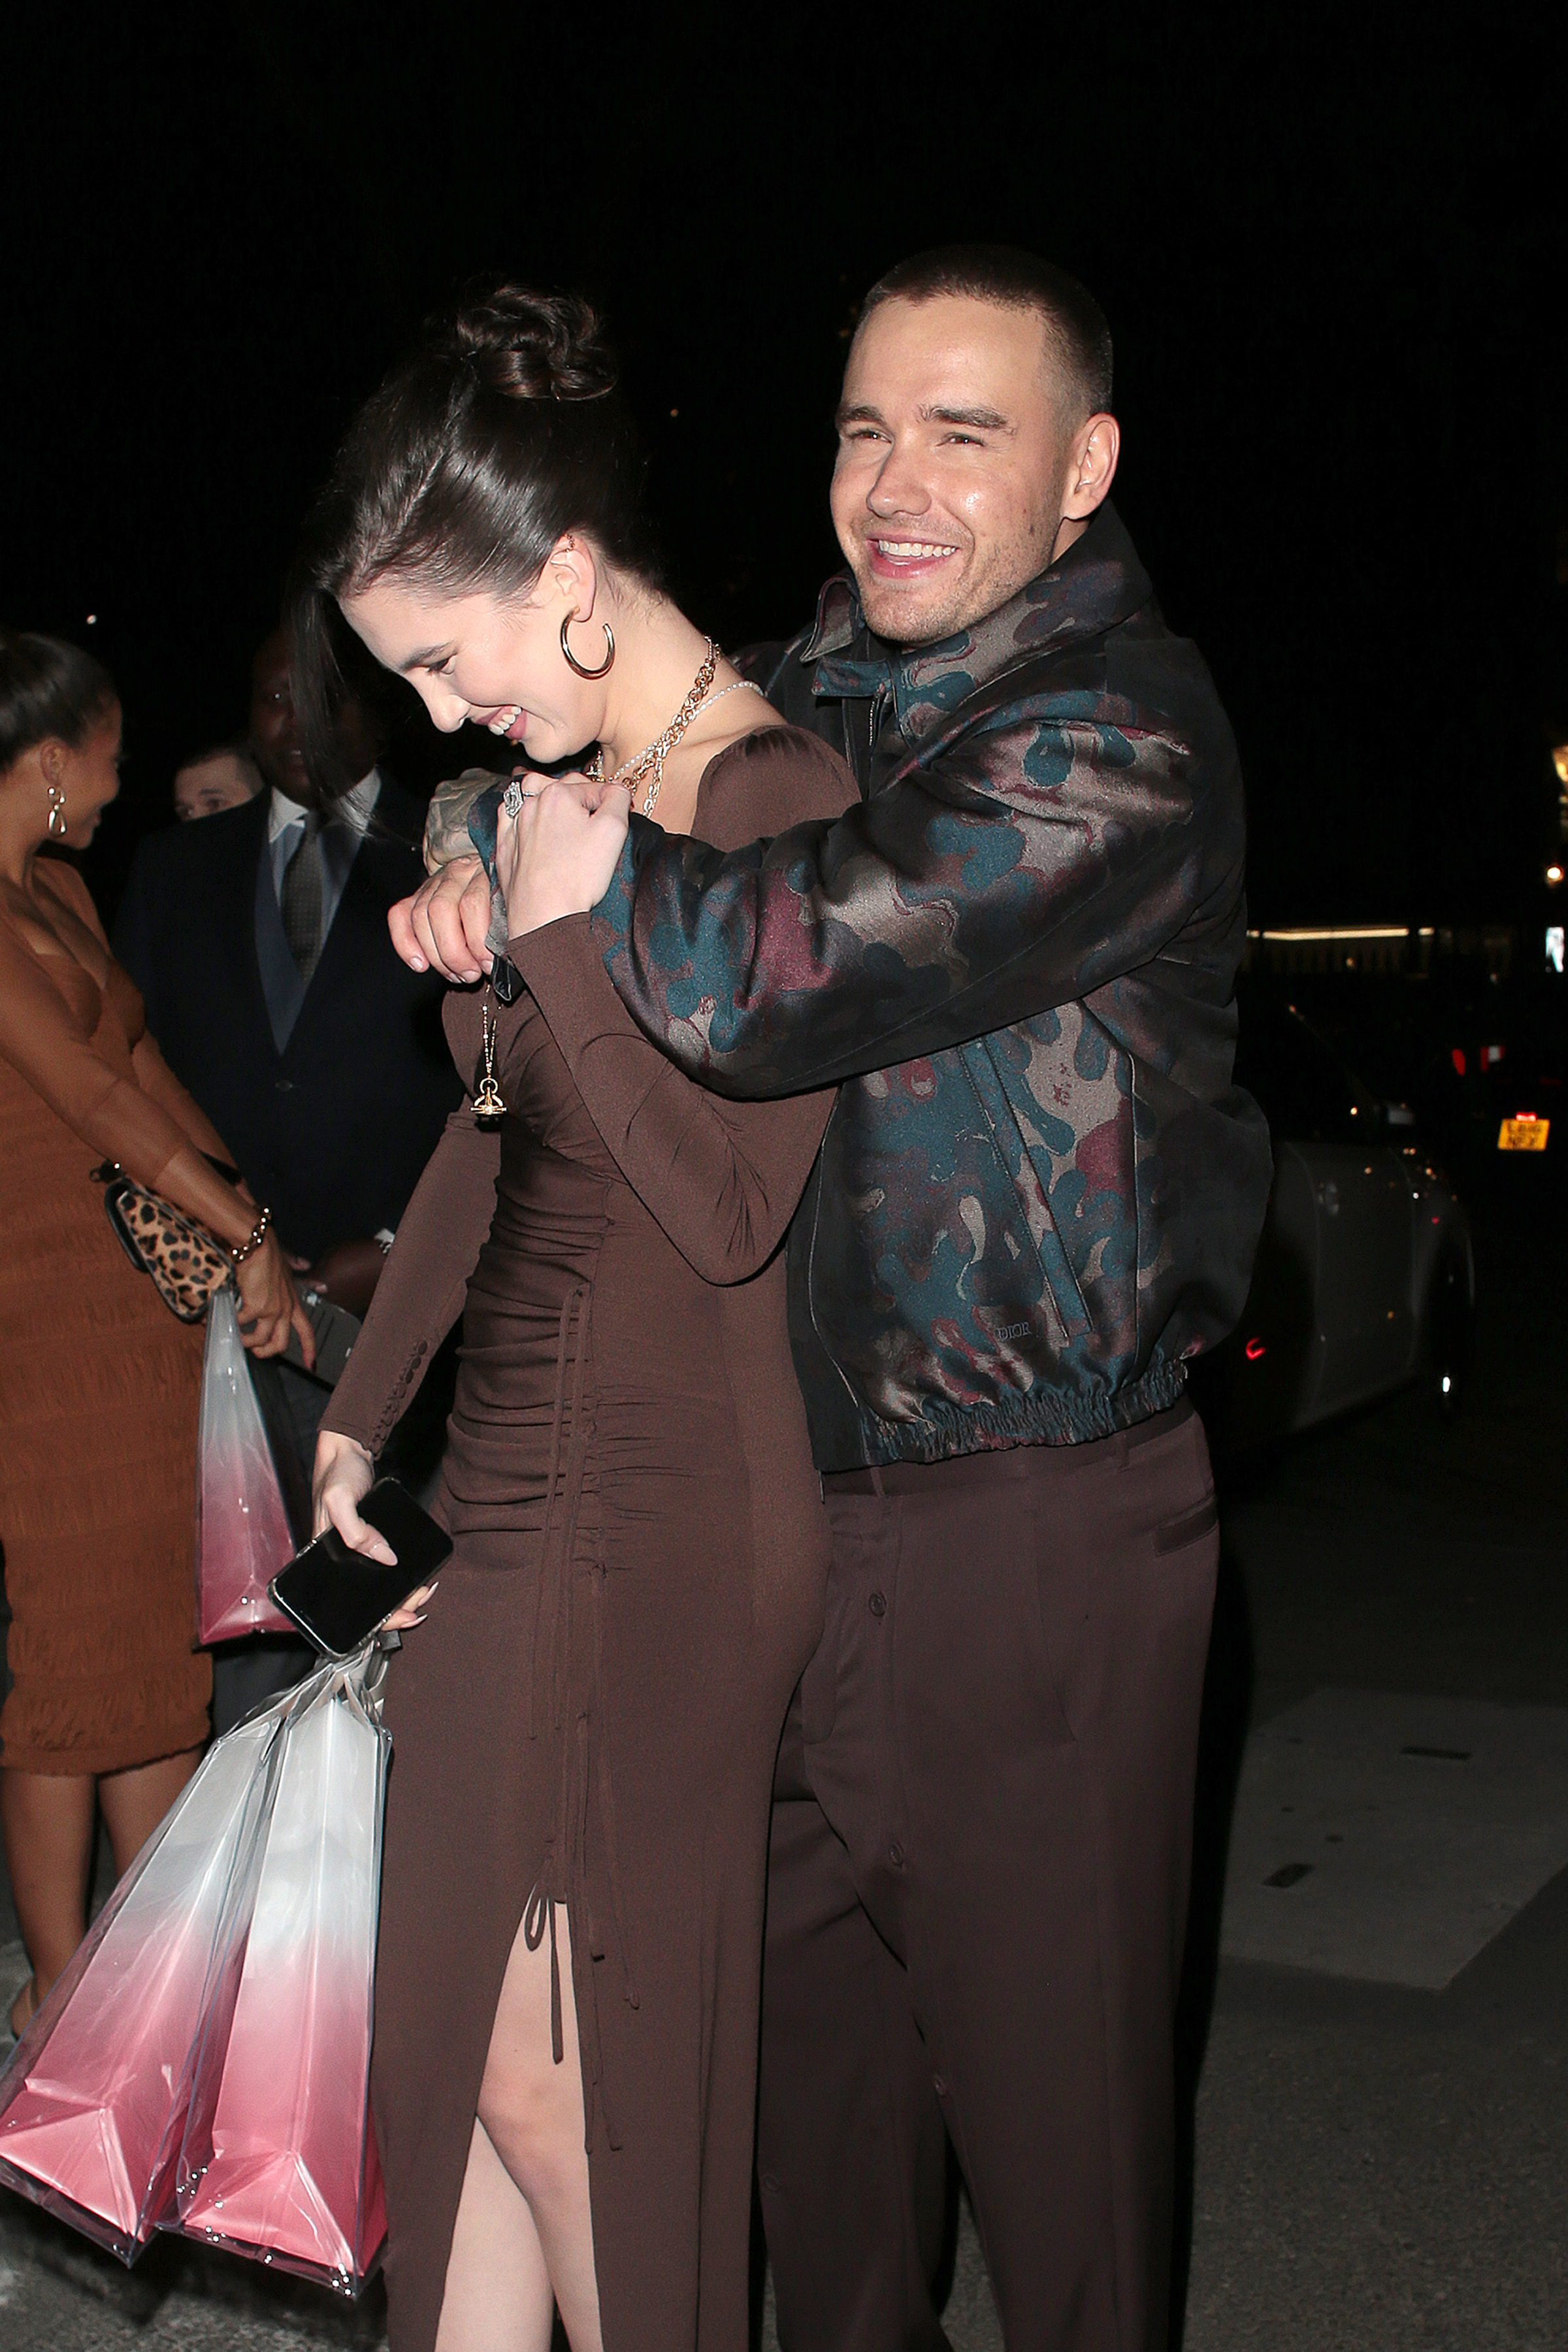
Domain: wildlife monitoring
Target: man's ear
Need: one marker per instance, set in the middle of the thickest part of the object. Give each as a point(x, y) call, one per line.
point(574, 574)
point(1091, 465)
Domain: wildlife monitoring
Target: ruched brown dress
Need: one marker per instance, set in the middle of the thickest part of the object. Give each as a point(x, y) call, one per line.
point(591, 1710)
point(98, 1380)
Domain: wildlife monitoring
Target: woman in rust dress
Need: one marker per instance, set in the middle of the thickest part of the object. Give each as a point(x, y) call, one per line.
point(585, 1723)
point(108, 1693)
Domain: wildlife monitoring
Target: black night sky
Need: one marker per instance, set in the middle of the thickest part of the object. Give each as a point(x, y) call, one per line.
point(1332, 243)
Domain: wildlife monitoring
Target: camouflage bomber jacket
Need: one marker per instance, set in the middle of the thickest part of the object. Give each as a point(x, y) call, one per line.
point(1039, 1192)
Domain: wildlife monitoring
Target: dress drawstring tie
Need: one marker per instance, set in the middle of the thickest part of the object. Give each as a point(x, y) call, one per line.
point(584, 1745)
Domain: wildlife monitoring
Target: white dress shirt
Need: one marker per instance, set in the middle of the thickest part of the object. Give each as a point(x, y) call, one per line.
point(285, 830)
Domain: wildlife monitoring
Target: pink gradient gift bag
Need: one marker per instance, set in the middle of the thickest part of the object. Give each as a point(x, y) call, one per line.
point(278, 2159)
point(242, 1535)
point(93, 2100)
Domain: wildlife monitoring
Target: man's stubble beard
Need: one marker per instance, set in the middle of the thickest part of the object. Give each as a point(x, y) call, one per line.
point(970, 604)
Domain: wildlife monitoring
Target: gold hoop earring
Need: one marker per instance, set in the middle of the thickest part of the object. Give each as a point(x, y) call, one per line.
point(57, 813)
point(603, 669)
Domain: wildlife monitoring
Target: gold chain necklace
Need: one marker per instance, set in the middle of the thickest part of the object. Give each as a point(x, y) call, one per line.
point(651, 760)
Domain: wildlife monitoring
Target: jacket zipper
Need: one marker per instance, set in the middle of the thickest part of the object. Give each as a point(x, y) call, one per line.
point(874, 728)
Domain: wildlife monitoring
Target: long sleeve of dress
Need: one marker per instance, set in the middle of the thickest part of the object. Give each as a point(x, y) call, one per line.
point(158, 1082)
point(420, 1294)
point(45, 1043)
point(723, 1178)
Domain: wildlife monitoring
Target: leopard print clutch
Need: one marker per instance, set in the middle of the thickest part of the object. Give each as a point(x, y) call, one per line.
point(185, 1261)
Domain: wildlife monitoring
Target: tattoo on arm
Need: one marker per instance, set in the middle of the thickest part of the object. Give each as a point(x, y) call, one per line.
point(446, 825)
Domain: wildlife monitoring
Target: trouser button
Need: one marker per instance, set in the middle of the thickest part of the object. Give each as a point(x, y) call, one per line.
point(878, 1604)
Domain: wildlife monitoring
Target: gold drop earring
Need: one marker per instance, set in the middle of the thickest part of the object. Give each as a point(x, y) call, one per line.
point(57, 813)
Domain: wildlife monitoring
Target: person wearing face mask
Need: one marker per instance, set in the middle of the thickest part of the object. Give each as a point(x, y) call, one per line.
point(259, 940)
point(107, 1696)
point(586, 1721)
point(1038, 1196)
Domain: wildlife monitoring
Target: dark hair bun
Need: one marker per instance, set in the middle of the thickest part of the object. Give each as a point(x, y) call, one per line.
point(534, 346)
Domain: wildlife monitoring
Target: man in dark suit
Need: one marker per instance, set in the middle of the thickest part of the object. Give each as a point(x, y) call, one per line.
point(259, 940)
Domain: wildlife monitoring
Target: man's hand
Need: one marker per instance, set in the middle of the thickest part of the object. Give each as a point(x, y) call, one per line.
point(446, 822)
point(557, 857)
point(443, 927)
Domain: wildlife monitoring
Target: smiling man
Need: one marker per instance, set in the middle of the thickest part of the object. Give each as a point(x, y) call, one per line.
point(973, 444)
point(1038, 1196)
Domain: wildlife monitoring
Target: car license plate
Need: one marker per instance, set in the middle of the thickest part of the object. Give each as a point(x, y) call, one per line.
point(1523, 1134)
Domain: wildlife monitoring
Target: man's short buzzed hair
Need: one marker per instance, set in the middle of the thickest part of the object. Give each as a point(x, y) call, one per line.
point(239, 750)
point(1073, 322)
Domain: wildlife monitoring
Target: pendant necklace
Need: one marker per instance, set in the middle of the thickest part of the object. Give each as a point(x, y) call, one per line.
point(648, 763)
point(488, 1104)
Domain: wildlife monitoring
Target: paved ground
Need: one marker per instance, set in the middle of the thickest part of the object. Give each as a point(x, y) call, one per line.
point(1377, 2164)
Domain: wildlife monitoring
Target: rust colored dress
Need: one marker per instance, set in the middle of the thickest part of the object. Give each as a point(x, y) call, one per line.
point(590, 1713)
point(99, 1382)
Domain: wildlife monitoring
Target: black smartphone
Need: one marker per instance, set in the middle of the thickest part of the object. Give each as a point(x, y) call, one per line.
point(335, 1331)
point(337, 1597)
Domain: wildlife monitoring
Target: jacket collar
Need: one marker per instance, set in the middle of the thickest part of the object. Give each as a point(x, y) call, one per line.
point(1097, 583)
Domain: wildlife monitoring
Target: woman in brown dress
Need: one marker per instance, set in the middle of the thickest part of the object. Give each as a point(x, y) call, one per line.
point(585, 1723)
point(108, 1693)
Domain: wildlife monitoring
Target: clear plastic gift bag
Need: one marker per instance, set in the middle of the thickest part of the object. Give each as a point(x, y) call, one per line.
point(243, 1534)
point(94, 2098)
point(278, 2159)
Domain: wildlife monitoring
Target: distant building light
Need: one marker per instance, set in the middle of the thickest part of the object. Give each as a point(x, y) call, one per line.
point(1554, 875)
point(92, 620)
point(1559, 762)
point(1350, 933)
point(1554, 932)
point(1255, 1348)
point(1458, 1060)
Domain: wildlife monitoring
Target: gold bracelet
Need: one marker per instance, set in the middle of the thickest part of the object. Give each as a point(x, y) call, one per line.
point(257, 1235)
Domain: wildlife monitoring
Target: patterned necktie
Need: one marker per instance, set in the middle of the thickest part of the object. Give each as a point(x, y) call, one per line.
point(299, 901)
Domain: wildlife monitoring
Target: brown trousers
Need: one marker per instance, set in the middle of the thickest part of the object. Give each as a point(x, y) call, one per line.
point(977, 1892)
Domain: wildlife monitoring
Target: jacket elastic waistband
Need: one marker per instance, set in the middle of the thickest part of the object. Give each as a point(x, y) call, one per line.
point(996, 1465)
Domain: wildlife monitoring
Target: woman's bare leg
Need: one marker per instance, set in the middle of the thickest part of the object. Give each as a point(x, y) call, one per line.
point(499, 2297)
point(48, 1823)
point(134, 1801)
point(531, 2111)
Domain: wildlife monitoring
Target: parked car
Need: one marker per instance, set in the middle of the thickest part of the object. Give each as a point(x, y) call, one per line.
point(1365, 1274)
